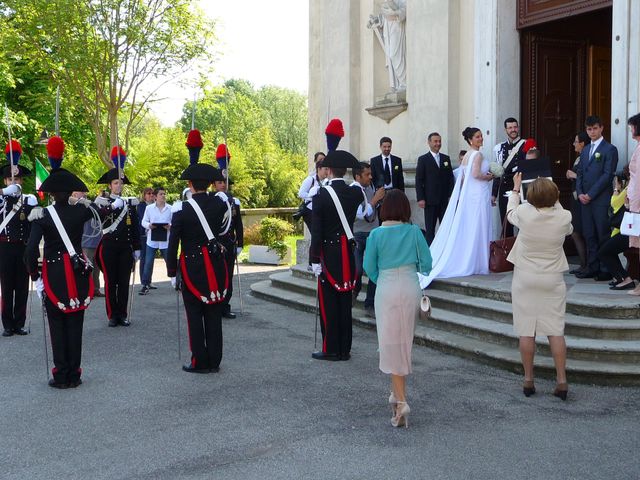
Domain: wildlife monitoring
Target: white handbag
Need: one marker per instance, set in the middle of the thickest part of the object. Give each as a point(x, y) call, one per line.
point(425, 303)
point(630, 225)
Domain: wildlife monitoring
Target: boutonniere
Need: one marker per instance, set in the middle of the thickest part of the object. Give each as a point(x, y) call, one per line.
point(445, 164)
point(597, 155)
point(396, 167)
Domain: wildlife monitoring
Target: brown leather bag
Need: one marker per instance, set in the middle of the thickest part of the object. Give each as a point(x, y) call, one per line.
point(499, 251)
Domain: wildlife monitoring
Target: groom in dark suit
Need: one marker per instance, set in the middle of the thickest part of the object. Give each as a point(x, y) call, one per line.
point(386, 169)
point(596, 169)
point(434, 184)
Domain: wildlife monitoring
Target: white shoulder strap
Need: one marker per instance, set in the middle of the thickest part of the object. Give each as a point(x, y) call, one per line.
point(343, 219)
point(61, 231)
point(514, 152)
point(203, 221)
point(9, 216)
point(117, 221)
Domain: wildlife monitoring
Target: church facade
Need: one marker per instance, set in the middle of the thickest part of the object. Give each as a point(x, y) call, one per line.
point(549, 63)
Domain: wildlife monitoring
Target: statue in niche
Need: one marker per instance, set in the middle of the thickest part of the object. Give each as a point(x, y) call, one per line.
point(389, 28)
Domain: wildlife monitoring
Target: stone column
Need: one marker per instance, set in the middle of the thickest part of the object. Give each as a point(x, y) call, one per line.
point(625, 72)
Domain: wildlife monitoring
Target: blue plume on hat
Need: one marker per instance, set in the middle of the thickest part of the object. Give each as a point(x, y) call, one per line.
point(114, 156)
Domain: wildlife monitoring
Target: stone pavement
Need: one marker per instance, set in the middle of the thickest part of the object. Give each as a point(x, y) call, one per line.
point(274, 413)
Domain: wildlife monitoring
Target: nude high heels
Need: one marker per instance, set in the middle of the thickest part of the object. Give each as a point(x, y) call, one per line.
point(401, 418)
point(393, 402)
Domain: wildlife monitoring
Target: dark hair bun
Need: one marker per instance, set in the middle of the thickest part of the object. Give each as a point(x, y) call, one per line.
point(468, 133)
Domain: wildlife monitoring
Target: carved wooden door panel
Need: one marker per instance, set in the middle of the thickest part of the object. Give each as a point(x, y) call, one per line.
point(599, 86)
point(554, 99)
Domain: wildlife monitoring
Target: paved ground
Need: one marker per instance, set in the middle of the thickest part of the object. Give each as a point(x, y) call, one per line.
point(274, 413)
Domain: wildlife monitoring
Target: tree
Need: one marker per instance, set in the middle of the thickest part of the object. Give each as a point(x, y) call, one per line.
point(108, 53)
point(287, 110)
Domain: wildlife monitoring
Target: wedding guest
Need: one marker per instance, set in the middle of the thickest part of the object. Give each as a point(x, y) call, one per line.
point(386, 169)
point(609, 251)
point(310, 187)
point(146, 198)
point(538, 290)
point(395, 252)
point(579, 142)
point(633, 190)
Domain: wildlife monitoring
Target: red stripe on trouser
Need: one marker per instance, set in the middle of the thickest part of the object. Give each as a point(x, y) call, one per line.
point(47, 286)
point(190, 286)
point(346, 266)
point(323, 316)
point(211, 275)
point(107, 295)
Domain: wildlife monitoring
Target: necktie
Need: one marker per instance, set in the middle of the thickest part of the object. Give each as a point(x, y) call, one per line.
point(593, 149)
point(387, 171)
point(437, 159)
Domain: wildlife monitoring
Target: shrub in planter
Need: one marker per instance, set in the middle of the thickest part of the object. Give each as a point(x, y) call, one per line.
point(273, 232)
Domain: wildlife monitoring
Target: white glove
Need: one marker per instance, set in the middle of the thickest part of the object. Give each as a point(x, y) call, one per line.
point(136, 255)
point(30, 200)
point(316, 268)
point(238, 250)
point(13, 190)
point(173, 282)
point(102, 201)
point(133, 201)
point(313, 191)
point(222, 196)
point(40, 288)
point(117, 203)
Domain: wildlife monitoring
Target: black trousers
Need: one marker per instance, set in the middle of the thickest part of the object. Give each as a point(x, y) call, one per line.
point(14, 285)
point(502, 206)
point(116, 263)
point(335, 319)
point(205, 331)
point(596, 230)
point(230, 260)
point(66, 342)
point(608, 255)
point(433, 213)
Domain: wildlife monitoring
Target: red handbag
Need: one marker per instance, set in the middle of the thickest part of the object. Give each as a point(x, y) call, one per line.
point(499, 251)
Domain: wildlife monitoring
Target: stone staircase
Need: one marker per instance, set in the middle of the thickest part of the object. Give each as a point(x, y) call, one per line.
point(472, 318)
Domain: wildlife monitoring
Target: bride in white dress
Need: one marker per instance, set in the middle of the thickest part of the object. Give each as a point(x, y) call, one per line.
point(461, 244)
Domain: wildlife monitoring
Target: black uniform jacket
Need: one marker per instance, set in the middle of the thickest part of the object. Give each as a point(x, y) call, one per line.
point(204, 271)
point(235, 236)
point(434, 183)
point(127, 231)
point(505, 183)
point(68, 288)
point(329, 244)
point(17, 230)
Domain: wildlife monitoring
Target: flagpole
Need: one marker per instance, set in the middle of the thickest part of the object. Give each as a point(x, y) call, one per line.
point(6, 111)
point(193, 113)
point(58, 111)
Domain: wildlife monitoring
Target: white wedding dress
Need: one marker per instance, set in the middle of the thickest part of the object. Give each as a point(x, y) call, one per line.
point(461, 244)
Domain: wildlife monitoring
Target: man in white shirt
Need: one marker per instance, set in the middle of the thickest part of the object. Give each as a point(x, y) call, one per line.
point(156, 222)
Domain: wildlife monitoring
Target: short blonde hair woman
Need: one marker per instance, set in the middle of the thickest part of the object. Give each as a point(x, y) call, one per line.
point(538, 291)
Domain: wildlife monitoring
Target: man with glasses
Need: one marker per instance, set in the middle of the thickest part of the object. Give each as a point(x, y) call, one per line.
point(156, 222)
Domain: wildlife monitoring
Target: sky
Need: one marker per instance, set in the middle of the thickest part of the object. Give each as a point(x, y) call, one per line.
point(264, 42)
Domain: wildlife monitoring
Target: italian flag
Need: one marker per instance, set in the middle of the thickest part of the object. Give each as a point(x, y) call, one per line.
point(41, 174)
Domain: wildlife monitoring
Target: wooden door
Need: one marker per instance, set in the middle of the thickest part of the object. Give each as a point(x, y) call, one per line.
point(553, 107)
point(599, 85)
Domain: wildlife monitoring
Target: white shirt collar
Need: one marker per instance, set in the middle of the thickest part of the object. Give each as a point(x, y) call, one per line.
point(597, 142)
point(434, 154)
point(336, 180)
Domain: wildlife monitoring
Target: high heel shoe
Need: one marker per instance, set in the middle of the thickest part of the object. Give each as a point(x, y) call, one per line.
point(401, 418)
point(561, 391)
point(393, 402)
point(528, 388)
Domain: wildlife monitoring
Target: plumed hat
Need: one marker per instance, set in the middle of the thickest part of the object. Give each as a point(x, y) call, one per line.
point(340, 159)
point(119, 158)
point(223, 156)
point(60, 180)
point(529, 144)
point(334, 132)
point(194, 144)
point(13, 155)
point(202, 171)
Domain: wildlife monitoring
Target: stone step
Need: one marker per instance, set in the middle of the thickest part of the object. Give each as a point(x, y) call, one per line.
point(575, 325)
point(503, 356)
point(584, 297)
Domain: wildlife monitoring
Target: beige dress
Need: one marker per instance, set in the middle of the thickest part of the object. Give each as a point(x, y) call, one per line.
point(538, 291)
point(633, 190)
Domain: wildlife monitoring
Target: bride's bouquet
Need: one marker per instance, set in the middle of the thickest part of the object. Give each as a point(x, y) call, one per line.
point(496, 169)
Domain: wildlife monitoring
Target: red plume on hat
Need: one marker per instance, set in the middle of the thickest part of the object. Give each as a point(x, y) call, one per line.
point(16, 150)
point(55, 151)
point(334, 132)
point(122, 156)
point(529, 144)
point(194, 144)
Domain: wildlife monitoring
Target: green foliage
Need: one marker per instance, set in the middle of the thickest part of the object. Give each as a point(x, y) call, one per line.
point(273, 232)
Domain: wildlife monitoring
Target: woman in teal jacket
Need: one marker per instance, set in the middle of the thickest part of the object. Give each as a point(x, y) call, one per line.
point(394, 253)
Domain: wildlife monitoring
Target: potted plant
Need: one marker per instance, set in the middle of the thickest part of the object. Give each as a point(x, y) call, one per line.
point(273, 250)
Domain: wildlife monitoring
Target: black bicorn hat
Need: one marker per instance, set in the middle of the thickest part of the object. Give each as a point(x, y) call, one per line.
point(20, 171)
point(202, 171)
point(119, 158)
point(340, 159)
point(60, 180)
point(112, 175)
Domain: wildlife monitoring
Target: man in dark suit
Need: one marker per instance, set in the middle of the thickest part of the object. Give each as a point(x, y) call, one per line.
point(386, 169)
point(434, 184)
point(596, 169)
point(332, 257)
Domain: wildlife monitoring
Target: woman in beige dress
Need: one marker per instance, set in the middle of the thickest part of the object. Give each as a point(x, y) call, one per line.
point(633, 189)
point(538, 291)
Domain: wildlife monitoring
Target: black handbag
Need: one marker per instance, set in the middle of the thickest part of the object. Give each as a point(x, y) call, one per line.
point(615, 218)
